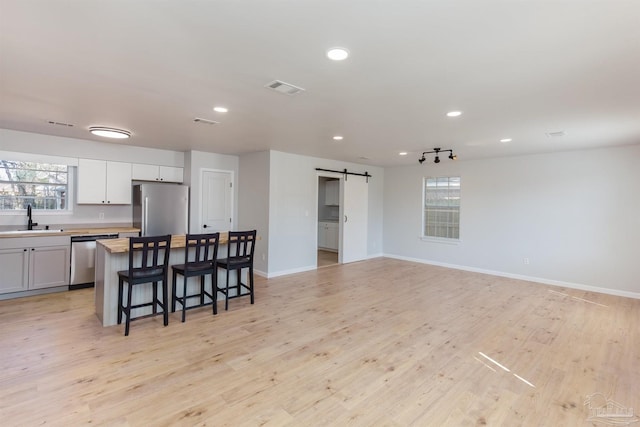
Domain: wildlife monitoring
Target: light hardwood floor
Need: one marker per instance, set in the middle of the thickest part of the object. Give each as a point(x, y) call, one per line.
point(381, 342)
point(327, 258)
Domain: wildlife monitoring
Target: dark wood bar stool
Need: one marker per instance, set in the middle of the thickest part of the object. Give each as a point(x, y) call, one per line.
point(240, 255)
point(200, 255)
point(148, 263)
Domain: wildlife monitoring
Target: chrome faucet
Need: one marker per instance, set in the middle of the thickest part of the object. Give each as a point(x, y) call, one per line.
point(30, 223)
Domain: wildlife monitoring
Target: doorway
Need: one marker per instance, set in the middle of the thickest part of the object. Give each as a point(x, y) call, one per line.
point(342, 216)
point(328, 225)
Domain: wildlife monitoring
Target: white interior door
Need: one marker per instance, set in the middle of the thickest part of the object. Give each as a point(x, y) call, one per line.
point(355, 202)
point(217, 201)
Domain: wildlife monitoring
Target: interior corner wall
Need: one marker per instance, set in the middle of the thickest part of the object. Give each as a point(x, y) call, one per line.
point(293, 228)
point(253, 203)
point(197, 161)
point(574, 215)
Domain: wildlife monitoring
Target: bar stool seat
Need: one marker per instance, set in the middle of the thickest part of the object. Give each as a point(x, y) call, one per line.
point(241, 248)
point(151, 266)
point(200, 255)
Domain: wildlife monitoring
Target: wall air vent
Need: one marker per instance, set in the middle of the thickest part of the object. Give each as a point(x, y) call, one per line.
point(205, 121)
point(285, 88)
point(555, 134)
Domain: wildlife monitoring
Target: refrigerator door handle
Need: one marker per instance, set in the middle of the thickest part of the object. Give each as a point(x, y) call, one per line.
point(146, 216)
point(186, 216)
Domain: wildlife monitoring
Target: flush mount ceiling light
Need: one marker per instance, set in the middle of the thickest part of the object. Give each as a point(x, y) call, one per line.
point(337, 53)
point(454, 113)
point(220, 109)
point(402, 153)
point(437, 158)
point(109, 132)
point(338, 138)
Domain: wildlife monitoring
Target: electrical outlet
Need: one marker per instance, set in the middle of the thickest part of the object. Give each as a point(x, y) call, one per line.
point(101, 215)
point(525, 261)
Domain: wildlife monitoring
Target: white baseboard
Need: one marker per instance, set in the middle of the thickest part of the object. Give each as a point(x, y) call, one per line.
point(292, 271)
point(571, 285)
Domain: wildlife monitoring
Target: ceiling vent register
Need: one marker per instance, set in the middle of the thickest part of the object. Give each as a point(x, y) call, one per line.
point(284, 88)
point(205, 121)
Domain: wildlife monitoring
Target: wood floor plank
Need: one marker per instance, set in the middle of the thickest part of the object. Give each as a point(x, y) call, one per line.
point(382, 342)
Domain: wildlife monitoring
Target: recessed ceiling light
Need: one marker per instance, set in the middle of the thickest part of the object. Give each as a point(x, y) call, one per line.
point(110, 132)
point(506, 140)
point(220, 109)
point(454, 113)
point(402, 153)
point(338, 138)
point(337, 53)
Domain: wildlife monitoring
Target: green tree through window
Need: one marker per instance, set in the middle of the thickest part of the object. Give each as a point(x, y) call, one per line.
point(41, 185)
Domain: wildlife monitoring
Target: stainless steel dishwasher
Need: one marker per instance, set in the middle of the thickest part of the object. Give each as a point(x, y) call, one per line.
point(83, 259)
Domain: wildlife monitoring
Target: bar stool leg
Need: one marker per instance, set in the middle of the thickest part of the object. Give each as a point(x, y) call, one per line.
point(128, 309)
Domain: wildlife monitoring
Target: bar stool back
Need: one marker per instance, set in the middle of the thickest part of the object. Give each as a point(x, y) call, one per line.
point(148, 263)
point(200, 255)
point(241, 247)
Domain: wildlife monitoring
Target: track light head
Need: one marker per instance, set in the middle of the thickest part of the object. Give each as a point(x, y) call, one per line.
point(436, 160)
point(421, 160)
point(451, 156)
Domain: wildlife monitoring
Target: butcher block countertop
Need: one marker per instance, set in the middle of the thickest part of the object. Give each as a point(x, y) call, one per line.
point(117, 246)
point(69, 232)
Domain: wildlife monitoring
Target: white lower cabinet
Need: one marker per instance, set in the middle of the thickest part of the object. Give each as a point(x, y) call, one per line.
point(328, 235)
point(30, 263)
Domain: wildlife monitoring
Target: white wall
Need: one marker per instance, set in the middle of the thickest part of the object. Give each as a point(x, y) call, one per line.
point(293, 187)
point(197, 161)
point(253, 203)
point(574, 215)
point(25, 142)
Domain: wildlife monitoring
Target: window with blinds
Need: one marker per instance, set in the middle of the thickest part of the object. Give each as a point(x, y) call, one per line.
point(42, 185)
point(441, 208)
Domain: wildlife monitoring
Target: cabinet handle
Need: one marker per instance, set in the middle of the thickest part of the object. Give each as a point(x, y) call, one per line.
point(25, 250)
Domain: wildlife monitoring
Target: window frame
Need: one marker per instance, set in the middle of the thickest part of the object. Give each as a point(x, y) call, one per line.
point(70, 199)
point(423, 235)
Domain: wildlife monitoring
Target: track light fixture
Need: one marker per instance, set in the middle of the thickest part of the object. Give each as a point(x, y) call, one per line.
point(437, 158)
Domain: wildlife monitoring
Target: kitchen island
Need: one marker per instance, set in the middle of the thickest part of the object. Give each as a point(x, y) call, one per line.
point(113, 256)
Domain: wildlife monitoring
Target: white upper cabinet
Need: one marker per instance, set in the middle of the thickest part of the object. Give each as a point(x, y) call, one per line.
point(104, 182)
point(157, 173)
point(332, 193)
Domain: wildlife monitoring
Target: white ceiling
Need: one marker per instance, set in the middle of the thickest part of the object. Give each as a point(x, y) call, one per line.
point(517, 69)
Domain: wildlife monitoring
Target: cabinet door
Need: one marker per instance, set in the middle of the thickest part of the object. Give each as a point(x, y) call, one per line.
point(170, 174)
point(332, 235)
point(118, 183)
point(144, 172)
point(322, 235)
point(49, 267)
point(14, 267)
point(332, 193)
point(92, 181)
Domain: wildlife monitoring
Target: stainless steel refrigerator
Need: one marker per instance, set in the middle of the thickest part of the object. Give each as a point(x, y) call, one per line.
point(161, 208)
